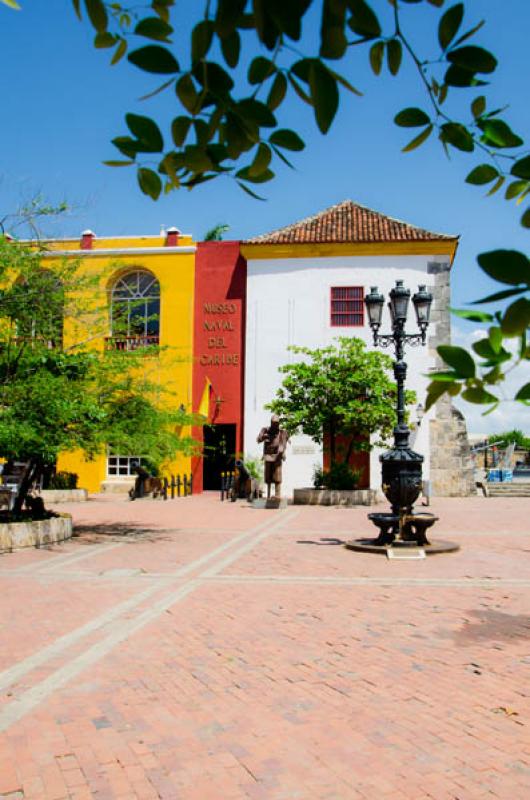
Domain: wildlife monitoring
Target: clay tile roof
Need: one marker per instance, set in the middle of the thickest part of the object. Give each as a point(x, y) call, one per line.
point(347, 222)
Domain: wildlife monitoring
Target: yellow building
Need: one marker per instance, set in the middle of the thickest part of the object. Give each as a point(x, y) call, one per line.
point(149, 285)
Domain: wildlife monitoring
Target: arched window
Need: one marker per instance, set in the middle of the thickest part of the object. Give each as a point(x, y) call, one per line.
point(135, 310)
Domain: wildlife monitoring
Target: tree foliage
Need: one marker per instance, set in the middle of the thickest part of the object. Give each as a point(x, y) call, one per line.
point(342, 391)
point(57, 397)
point(244, 58)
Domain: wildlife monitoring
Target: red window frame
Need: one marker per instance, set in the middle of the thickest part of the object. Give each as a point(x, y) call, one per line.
point(347, 306)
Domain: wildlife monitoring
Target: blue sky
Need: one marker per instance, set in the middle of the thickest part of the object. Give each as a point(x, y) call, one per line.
point(62, 104)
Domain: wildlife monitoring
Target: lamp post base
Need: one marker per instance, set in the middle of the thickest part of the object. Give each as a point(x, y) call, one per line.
point(372, 546)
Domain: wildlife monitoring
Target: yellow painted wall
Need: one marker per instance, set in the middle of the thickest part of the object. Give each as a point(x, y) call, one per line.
point(175, 269)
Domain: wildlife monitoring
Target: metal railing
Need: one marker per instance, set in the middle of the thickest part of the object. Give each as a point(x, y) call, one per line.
point(129, 343)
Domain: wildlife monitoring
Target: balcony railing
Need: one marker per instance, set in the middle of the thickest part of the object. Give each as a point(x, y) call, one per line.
point(129, 343)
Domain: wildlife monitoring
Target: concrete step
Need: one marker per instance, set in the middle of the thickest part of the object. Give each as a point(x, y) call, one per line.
point(516, 489)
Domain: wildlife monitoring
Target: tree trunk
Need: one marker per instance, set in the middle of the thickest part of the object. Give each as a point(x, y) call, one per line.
point(32, 474)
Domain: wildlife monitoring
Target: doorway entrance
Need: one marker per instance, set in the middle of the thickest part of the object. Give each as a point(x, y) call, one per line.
point(219, 450)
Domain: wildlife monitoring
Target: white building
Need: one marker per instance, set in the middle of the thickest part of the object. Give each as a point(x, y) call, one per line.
point(294, 275)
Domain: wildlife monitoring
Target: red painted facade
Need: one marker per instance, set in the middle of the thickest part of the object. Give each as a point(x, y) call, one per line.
point(219, 337)
point(358, 460)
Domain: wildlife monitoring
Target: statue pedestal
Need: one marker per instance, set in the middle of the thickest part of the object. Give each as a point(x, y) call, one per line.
point(271, 503)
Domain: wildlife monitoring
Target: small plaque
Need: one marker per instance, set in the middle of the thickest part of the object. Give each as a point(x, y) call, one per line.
point(405, 553)
point(303, 450)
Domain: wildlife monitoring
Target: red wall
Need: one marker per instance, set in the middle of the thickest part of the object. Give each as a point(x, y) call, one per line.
point(219, 336)
point(358, 459)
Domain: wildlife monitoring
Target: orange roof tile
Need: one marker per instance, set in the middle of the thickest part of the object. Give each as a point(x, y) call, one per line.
point(347, 222)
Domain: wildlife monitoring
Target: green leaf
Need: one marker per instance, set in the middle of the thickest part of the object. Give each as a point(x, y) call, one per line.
point(377, 51)
point(525, 219)
point(516, 318)
point(478, 396)
point(227, 16)
point(302, 94)
point(482, 174)
point(15, 5)
point(497, 133)
point(449, 25)
point(281, 156)
point(411, 118)
point(516, 188)
point(394, 54)
point(119, 52)
point(460, 77)
point(478, 106)
point(363, 21)
point(97, 14)
point(506, 266)
point(484, 349)
point(468, 34)
point(333, 42)
point(260, 69)
point(287, 139)
point(495, 337)
point(493, 298)
point(343, 82)
point(249, 191)
point(126, 145)
point(104, 40)
point(201, 40)
point(147, 133)
point(155, 59)
point(231, 48)
point(414, 143)
point(196, 159)
point(187, 93)
point(324, 94)
point(444, 377)
point(179, 130)
point(246, 175)
point(521, 168)
point(277, 91)
point(457, 135)
point(262, 159)
point(523, 393)
point(118, 163)
point(457, 358)
point(257, 112)
point(149, 182)
point(472, 58)
point(435, 390)
point(472, 316)
point(154, 28)
point(496, 186)
point(212, 76)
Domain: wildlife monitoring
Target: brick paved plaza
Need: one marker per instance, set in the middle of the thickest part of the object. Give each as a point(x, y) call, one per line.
point(193, 650)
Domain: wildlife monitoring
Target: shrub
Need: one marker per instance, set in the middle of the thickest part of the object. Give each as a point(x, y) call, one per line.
point(339, 476)
point(63, 480)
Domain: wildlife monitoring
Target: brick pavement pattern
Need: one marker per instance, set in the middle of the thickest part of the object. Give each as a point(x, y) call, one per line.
point(193, 650)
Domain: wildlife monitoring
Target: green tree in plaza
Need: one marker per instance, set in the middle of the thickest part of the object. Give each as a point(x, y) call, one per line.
point(56, 397)
point(343, 393)
point(243, 58)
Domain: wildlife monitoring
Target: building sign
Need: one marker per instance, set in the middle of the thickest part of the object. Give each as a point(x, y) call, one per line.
point(218, 320)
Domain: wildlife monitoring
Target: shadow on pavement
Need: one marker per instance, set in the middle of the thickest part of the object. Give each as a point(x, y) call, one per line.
point(494, 625)
point(92, 533)
point(321, 542)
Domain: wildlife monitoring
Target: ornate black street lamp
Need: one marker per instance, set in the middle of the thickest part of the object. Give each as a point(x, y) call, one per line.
point(401, 466)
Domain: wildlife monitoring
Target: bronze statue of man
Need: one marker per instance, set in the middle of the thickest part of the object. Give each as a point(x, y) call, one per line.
point(274, 441)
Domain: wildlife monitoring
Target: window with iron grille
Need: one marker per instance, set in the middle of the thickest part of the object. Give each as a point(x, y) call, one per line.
point(122, 466)
point(347, 306)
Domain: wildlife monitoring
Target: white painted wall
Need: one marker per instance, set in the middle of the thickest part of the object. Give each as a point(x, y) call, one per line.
point(288, 302)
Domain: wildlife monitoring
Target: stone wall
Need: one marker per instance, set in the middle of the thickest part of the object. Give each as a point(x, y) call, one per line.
point(451, 469)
